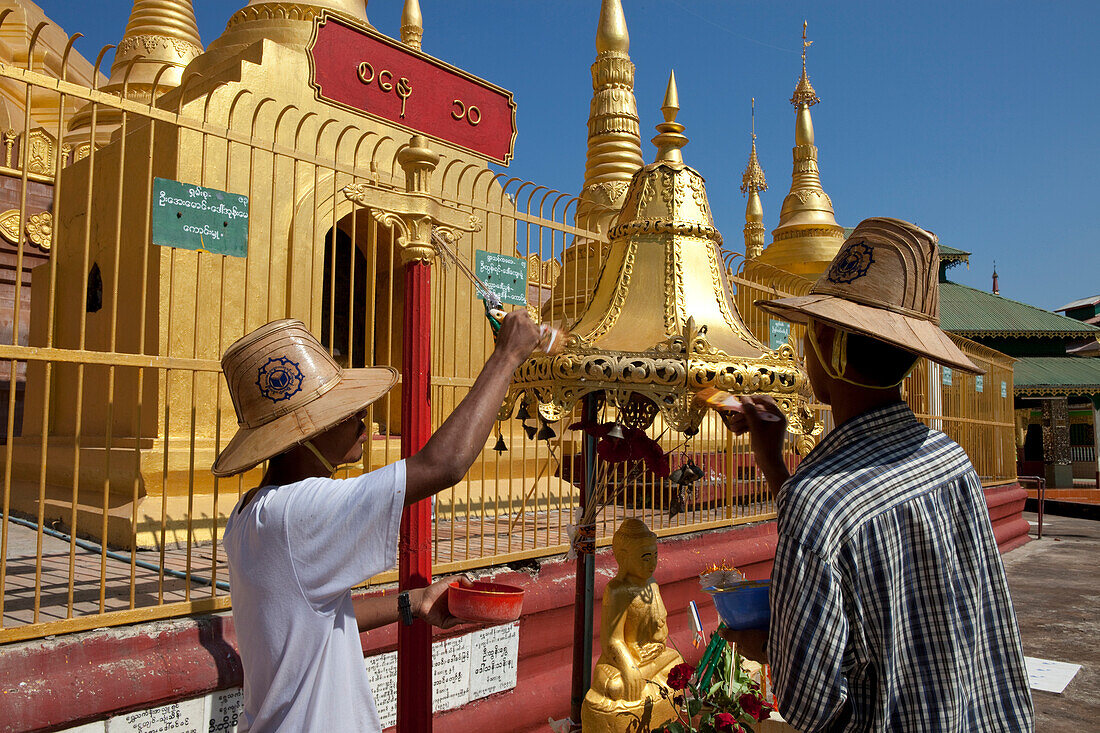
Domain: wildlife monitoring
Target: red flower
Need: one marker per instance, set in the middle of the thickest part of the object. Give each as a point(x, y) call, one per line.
point(726, 723)
point(680, 675)
point(754, 706)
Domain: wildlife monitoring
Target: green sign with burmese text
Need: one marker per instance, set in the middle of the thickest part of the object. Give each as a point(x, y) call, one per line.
point(779, 332)
point(505, 275)
point(199, 218)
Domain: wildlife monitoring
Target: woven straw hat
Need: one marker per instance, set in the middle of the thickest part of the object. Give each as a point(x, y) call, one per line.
point(883, 283)
point(286, 389)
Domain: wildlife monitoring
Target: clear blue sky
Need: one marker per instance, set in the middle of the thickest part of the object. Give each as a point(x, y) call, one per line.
point(974, 119)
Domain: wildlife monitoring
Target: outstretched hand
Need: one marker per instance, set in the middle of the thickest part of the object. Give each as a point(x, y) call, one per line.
point(433, 602)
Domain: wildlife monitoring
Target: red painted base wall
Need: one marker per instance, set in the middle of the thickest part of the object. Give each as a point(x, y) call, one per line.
point(53, 684)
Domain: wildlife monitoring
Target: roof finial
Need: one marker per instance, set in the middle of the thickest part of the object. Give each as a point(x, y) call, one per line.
point(670, 138)
point(754, 122)
point(804, 93)
point(753, 178)
point(412, 24)
point(752, 182)
point(805, 44)
point(611, 32)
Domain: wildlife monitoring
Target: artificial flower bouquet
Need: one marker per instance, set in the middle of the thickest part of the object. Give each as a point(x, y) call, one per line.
point(719, 697)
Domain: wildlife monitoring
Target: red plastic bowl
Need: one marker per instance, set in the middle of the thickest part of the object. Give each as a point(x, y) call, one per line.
point(485, 602)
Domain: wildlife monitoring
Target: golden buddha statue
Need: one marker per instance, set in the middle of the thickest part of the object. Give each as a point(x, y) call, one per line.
point(632, 670)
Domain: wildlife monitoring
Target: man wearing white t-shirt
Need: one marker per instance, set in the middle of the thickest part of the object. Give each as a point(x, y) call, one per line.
point(298, 543)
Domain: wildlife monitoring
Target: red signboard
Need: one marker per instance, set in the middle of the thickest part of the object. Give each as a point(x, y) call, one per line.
point(358, 68)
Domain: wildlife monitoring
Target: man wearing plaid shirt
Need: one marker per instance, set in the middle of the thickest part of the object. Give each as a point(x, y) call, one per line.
point(890, 607)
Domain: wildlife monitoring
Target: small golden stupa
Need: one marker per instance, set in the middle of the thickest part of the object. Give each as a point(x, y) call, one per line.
point(807, 237)
point(661, 323)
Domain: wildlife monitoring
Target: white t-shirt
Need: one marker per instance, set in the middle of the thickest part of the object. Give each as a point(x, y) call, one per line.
point(294, 554)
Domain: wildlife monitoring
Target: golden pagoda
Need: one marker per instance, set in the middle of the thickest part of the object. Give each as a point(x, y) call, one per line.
point(160, 40)
point(752, 183)
point(648, 355)
point(614, 155)
point(808, 236)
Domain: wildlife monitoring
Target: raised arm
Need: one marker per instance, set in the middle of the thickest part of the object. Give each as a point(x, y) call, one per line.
point(454, 447)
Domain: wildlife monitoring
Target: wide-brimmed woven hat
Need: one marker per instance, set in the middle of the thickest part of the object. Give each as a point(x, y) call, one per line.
point(286, 389)
point(883, 283)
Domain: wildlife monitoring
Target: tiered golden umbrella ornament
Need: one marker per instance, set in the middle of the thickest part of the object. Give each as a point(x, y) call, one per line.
point(661, 324)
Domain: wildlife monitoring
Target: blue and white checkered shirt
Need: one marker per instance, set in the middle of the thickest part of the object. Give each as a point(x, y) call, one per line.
point(890, 608)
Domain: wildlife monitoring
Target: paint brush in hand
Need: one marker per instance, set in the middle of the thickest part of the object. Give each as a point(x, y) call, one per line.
point(551, 339)
point(728, 402)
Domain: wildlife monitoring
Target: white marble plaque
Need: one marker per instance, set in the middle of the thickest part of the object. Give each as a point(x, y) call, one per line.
point(382, 674)
point(494, 656)
point(450, 673)
point(177, 717)
point(223, 708)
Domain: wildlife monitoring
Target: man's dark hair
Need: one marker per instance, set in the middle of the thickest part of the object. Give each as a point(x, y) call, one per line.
point(878, 362)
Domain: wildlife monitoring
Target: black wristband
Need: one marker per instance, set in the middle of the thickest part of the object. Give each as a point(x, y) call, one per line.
point(404, 608)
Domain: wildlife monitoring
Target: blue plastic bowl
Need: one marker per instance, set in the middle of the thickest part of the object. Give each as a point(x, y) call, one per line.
point(743, 605)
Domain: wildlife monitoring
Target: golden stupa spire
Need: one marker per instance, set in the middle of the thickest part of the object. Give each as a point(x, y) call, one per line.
point(670, 136)
point(412, 24)
point(808, 236)
point(752, 182)
point(160, 40)
point(614, 155)
point(614, 140)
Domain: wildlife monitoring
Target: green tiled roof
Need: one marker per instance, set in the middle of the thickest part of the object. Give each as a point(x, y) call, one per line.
point(1057, 375)
point(971, 312)
point(950, 253)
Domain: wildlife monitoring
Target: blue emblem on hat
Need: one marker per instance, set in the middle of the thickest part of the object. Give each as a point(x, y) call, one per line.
point(279, 379)
point(852, 264)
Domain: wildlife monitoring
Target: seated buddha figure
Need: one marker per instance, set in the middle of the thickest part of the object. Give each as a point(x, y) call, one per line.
point(634, 661)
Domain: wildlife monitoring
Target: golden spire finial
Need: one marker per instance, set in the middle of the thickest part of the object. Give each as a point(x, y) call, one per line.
point(753, 178)
point(670, 138)
point(752, 182)
point(614, 139)
point(805, 44)
point(614, 155)
point(611, 33)
point(412, 24)
point(804, 93)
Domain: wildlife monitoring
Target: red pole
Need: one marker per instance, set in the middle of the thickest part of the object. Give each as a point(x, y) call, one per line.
point(414, 569)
